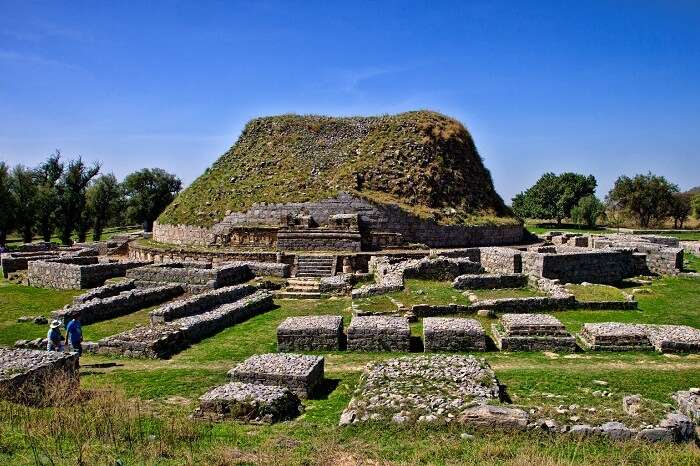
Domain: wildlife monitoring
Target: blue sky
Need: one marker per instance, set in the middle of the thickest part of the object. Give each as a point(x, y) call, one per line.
point(606, 88)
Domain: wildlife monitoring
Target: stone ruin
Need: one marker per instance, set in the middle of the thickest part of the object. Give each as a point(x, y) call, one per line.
point(76, 273)
point(25, 374)
point(249, 402)
point(378, 333)
point(613, 336)
point(453, 334)
point(310, 333)
point(302, 374)
point(532, 332)
point(162, 340)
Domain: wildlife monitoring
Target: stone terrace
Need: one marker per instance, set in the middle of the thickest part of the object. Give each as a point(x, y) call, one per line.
point(532, 332)
point(302, 374)
point(200, 303)
point(24, 373)
point(76, 273)
point(453, 334)
point(674, 338)
point(196, 276)
point(379, 333)
point(613, 336)
point(435, 388)
point(250, 403)
point(310, 333)
point(126, 302)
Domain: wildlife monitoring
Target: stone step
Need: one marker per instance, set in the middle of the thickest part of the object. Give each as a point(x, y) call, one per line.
point(313, 274)
point(298, 295)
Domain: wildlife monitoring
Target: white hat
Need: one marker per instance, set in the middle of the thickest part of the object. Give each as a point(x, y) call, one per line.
point(55, 323)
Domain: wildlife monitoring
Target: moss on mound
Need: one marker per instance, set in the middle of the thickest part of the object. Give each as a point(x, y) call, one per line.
point(422, 161)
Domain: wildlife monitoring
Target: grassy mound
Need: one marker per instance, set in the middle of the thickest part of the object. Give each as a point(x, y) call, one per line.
point(422, 161)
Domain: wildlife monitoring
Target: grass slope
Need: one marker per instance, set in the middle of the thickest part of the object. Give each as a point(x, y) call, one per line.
point(422, 161)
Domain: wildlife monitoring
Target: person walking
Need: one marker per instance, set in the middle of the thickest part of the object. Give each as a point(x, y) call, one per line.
point(74, 334)
point(54, 338)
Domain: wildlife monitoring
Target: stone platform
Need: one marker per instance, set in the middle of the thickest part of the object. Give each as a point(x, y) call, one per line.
point(674, 338)
point(613, 336)
point(379, 333)
point(532, 332)
point(26, 374)
point(310, 333)
point(250, 403)
point(453, 334)
point(302, 374)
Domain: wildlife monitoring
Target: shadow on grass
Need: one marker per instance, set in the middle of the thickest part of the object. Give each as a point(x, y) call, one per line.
point(325, 388)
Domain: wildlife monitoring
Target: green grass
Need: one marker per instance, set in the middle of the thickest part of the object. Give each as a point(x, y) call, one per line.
point(415, 292)
point(596, 293)
point(166, 392)
point(525, 292)
point(540, 228)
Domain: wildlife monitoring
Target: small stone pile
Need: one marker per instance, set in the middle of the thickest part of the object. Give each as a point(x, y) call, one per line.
point(689, 403)
point(24, 374)
point(435, 389)
point(302, 374)
point(379, 333)
point(250, 403)
point(613, 336)
point(532, 332)
point(310, 333)
point(453, 334)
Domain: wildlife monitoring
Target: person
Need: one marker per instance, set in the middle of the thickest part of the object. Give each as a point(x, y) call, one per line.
point(54, 339)
point(74, 334)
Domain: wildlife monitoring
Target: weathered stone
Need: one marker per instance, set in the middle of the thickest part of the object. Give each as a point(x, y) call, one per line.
point(26, 374)
point(453, 334)
point(310, 333)
point(378, 333)
point(250, 403)
point(532, 332)
point(302, 374)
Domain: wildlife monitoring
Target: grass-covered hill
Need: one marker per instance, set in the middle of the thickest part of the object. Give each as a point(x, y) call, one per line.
point(423, 161)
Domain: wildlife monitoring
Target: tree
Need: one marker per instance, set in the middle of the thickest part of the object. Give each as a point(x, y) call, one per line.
point(71, 192)
point(7, 204)
point(648, 198)
point(24, 192)
point(149, 191)
point(587, 211)
point(553, 196)
point(104, 198)
point(696, 205)
point(680, 208)
point(48, 174)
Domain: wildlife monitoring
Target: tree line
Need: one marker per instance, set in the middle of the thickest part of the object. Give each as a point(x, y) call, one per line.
point(646, 200)
point(71, 197)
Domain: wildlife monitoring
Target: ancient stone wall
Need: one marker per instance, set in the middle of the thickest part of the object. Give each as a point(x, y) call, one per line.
point(26, 374)
point(588, 266)
point(501, 260)
point(373, 217)
point(69, 276)
point(490, 281)
point(200, 303)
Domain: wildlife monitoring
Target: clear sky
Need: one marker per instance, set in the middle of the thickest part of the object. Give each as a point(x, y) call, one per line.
point(597, 87)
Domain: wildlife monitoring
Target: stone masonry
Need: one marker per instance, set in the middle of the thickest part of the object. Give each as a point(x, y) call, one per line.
point(69, 275)
point(310, 333)
point(532, 332)
point(612, 336)
point(490, 281)
point(249, 403)
point(99, 309)
point(25, 374)
point(453, 334)
point(196, 276)
point(379, 333)
point(200, 303)
point(302, 374)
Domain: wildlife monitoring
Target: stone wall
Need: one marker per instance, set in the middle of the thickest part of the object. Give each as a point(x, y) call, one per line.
point(69, 276)
point(105, 291)
point(99, 309)
point(200, 303)
point(372, 217)
point(490, 281)
point(26, 374)
point(195, 276)
point(501, 260)
point(604, 266)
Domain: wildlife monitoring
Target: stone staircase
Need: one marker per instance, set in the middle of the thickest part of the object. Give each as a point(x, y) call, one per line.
point(314, 266)
point(301, 288)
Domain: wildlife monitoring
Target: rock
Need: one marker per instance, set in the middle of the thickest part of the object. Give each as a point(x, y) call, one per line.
point(600, 382)
point(41, 320)
point(631, 404)
point(656, 434)
point(549, 425)
point(683, 428)
point(398, 418)
point(616, 431)
point(488, 415)
point(465, 436)
point(583, 430)
point(486, 313)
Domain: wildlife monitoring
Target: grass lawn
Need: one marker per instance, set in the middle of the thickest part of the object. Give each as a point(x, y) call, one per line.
point(139, 409)
point(596, 293)
point(15, 240)
point(415, 292)
point(525, 292)
point(569, 228)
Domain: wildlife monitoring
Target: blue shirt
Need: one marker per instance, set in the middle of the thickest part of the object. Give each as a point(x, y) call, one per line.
point(54, 335)
point(74, 331)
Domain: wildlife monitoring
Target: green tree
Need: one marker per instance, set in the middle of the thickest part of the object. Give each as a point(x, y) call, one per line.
point(149, 191)
point(587, 211)
point(681, 207)
point(72, 199)
point(553, 196)
point(7, 204)
point(696, 205)
point(25, 194)
point(48, 174)
point(104, 199)
point(648, 198)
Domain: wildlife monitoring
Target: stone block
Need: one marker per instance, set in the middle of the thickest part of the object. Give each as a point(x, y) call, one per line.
point(250, 403)
point(379, 333)
point(453, 334)
point(613, 336)
point(532, 332)
point(302, 374)
point(310, 333)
